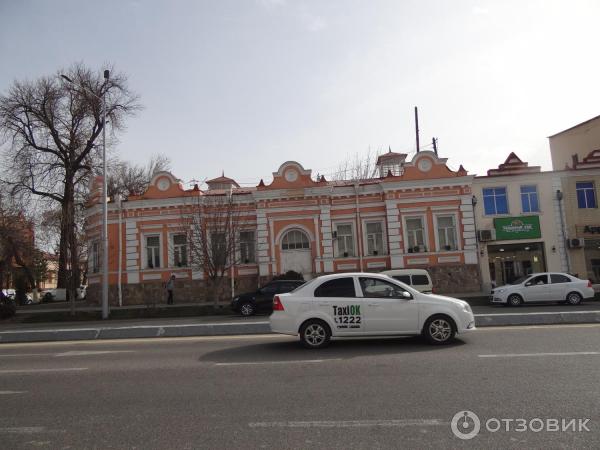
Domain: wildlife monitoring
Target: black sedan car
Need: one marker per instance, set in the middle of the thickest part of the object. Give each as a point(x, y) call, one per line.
point(262, 299)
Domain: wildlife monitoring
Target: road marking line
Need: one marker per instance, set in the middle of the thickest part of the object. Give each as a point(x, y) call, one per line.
point(12, 392)
point(92, 352)
point(127, 327)
point(14, 355)
point(535, 327)
point(152, 341)
point(350, 423)
point(256, 363)
point(539, 313)
point(66, 369)
point(22, 430)
point(516, 355)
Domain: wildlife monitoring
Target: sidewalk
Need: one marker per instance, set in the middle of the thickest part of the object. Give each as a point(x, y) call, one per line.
point(235, 325)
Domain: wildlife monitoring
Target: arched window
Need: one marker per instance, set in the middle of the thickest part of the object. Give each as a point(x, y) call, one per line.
point(294, 240)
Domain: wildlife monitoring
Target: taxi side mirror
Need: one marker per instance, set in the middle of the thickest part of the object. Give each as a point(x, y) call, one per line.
point(406, 295)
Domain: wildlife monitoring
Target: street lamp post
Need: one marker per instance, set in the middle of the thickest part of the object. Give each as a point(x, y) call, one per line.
point(105, 309)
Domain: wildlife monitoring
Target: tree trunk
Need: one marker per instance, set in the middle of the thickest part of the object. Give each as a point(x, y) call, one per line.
point(213, 293)
point(71, 240)
point(63, 247)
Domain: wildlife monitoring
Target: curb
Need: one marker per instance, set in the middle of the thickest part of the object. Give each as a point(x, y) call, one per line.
point(236, 328)
point(538, 318)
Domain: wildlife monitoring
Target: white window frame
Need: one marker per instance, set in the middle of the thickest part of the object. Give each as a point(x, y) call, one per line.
point(384, 236)
point(425, 223)
point(172, 249)
point(537, 194)
point(254, 241)
point(496, 214)
point(145, 251)
point(95, 256)
point(336, 250)
point(301, 231)
point(456, 230)
point(593, 189)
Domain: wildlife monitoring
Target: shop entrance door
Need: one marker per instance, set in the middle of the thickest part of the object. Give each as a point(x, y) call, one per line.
point(512, 261)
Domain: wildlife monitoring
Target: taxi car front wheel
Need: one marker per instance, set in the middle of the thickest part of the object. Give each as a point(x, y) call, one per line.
point(315, 333)
point(439, 330)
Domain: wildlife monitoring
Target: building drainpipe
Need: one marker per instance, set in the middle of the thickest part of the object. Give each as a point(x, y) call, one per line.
point(559, 197)
point(120, 274)
point(358, 228)
point(477, 248)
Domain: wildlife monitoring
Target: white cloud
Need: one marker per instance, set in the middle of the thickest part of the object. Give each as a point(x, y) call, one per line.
point(480, 11)
point(271, 4)
point(314, 23)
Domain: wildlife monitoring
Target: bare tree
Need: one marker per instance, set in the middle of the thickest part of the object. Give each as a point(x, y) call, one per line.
point(213, 228)
point(357, 167)
point(126, 178)
point(51, 128)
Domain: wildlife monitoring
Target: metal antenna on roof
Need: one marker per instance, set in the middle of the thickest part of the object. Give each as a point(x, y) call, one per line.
point(417, 127)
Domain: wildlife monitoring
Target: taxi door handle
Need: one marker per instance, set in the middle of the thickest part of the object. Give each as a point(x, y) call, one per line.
point(323, 304)
point(372, 304)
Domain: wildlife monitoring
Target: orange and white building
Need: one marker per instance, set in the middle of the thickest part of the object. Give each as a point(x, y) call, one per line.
point(418, 213)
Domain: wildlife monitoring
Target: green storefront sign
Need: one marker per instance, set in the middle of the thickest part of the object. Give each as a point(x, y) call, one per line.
point(527, 227)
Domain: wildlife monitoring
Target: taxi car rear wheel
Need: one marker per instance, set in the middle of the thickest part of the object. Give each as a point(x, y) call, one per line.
point(573, 298)
point(439, 330)
point(314, 334)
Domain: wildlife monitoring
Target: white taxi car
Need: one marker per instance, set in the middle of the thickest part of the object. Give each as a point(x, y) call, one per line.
point(366, 304)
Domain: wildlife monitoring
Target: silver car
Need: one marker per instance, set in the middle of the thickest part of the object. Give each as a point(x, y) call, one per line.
point(543, 287)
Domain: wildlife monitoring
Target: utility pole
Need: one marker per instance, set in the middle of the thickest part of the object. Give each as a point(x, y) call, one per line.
point(417, 127)
point(434, 142)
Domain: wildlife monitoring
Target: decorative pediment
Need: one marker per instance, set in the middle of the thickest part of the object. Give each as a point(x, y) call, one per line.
point(163, 185)
point(513, 165)
point(222, 182)
point(426, 165)
point(591, 161)
point(290, 175)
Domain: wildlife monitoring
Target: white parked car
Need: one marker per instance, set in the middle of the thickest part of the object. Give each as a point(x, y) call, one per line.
point(10, 293)
point(543, 287)
point(417, 278)
point(366, 304)
point(60, 294)
point(53, 295)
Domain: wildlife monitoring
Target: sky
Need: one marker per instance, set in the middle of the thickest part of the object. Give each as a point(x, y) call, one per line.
point(243, 86)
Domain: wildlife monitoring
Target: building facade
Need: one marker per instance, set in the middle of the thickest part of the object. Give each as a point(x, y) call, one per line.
point(419, 214)
point(519, 220)
point(582, 219)
point(576, 154)
point(575, 143)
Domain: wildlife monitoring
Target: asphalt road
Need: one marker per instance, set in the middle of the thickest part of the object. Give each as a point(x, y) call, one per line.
point(268, 392)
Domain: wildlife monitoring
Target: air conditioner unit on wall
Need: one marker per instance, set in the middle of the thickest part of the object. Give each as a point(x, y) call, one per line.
point(575, 242)
point(486, 235)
